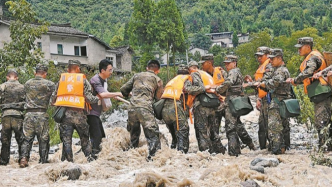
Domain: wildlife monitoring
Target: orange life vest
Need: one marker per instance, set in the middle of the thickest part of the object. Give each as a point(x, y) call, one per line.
point(207, 80)
point(217, 76)
point(307, 81)
point(259, 75)
point(70, 91)
point(174, 87)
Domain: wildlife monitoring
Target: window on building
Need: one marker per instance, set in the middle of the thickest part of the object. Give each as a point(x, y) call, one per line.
point(83, 51)
point(39, 45)
point(60, 49)
point(77, 50)
point(109, 58)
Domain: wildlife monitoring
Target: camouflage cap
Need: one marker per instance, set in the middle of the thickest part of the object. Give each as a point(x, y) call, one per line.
point(276, 52)
point(74, 62)
point(41, 67)
point(230, 58)
point(262, 51)
point(192, 63)
point(12, 70)
point(206, 58)
point(183, 67)
point(304, 41)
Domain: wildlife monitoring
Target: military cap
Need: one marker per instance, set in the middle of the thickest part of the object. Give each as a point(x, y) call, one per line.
point(41, 67)
point(74, 62)
point(12, 70)
point(206, 58)
point(230, 58)
point(154, 62)
point(304, 41)
point(183, 67)
point(262, 50)
point(192, 63)
point(276, 52)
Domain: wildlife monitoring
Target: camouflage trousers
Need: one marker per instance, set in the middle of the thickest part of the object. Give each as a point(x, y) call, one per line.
point(36, 124)
point(206, 130)
point(74, 119)
point(9, 124)
point(144, 117)
point(323, 119)
point(263, 124)
point(180, 138)
point(276, 129)
point(234, 130)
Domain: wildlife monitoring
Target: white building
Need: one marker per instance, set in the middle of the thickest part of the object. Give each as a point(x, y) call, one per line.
point(62, 43)
point(224, 39)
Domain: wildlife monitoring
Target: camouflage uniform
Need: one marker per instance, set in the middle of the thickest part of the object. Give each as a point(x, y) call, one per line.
point(180, 138)
point(234, 127)
point(323, 108)
point(145, 87)
point(37, 92)
point(12, 99)
point(75, 118)
point(206, 133)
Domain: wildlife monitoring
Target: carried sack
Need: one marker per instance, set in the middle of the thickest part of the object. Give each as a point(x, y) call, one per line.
point(59, 114)
point(106, 104)
point(209, 100)
point(289, 108)
point(318, 92)
point(158, 107)
point(240, 106)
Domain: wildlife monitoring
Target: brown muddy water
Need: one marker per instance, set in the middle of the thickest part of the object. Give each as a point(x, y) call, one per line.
point(116, 167)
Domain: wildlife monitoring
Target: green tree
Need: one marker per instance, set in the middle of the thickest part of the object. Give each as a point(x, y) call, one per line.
point(24, 30)
point(235, 39)
point(215, 50)
point(202, 41)
point(170, 29)
point(142, 29)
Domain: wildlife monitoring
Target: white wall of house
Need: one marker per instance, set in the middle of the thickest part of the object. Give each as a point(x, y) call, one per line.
point(112, 57)
point(67, 43)
point(96, 51)
point(4, 35)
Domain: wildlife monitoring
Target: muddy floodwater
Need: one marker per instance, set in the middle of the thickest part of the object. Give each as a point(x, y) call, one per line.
point(117, 166)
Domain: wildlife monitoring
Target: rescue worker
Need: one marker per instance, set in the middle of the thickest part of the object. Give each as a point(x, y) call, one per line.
point(201, 82)
point(174, 112)
point(12, 100)
point(313, 63)
point(145, 87)
point(74, 92)
point(279, 90)
point(234, 127)
point(99, 85)
point(38, 92)
point(218, 74)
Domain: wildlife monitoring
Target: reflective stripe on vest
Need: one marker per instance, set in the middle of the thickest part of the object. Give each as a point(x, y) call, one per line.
point(259, 75)
point(307, 81)
point(70, 91)
point(217, 76)
point(174, 87)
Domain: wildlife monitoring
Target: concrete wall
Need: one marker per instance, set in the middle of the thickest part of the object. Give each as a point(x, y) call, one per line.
point(126, 61)
point(96, 52)
point(4, 35)
point(68, 44)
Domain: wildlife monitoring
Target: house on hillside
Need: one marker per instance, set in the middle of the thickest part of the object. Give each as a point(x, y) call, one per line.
point(62, 43)
point(224, 39)
point(192, 50)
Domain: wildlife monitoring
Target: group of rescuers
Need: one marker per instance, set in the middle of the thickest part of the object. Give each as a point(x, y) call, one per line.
point(83, 102)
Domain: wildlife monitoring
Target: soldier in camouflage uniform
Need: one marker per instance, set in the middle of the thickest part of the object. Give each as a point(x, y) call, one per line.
point(75, 118)
point(313, 63)
point(12, 100)
point(204, 116)
point(145, 87)
point(279, 90)
point(234, 127)
point(180, 138)
point(218, 75)
point(37, 94)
